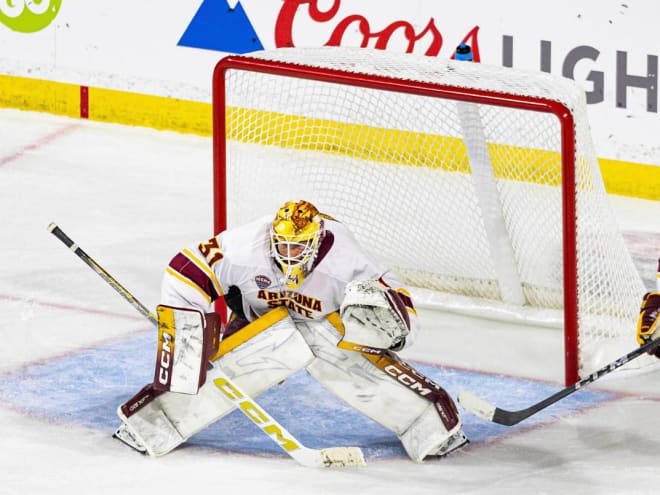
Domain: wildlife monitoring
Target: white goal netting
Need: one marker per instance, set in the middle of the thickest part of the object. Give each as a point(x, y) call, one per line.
point(477, 184)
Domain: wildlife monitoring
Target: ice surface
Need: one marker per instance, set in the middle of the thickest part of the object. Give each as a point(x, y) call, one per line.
point(74, 349)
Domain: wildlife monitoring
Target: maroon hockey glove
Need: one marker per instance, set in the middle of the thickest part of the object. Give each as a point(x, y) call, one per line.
point(648, 327)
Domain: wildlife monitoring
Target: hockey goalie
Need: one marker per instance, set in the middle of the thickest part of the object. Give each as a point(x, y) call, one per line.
point(302, 294)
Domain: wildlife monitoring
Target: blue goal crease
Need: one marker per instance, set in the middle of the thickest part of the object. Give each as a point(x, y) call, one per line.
point(85, 389)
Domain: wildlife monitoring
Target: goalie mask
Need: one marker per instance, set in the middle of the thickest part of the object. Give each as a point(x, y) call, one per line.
point(296, 234)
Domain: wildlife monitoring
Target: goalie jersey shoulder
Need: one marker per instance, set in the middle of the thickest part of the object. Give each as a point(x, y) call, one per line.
point(202, 273)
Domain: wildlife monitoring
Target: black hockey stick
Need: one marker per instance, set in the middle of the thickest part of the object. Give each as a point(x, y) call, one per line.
point(57, 232)
point(327, 457)
point(489, 412)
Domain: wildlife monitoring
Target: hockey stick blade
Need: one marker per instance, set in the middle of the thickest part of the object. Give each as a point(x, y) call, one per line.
point(483, 409)
point(327, 457)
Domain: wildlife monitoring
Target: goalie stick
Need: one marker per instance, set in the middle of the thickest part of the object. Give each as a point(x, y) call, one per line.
point(483, 409)
point(306, 456)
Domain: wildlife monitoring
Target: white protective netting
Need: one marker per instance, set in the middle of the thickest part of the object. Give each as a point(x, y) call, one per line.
point(463, 200)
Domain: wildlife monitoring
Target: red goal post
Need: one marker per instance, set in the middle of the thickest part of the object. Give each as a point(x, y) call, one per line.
point(477, 184)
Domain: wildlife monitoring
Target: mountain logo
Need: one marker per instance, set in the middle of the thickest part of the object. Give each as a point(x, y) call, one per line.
point(218, 25)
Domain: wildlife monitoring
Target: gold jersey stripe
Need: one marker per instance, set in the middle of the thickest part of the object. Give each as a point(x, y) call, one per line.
point(205, 268)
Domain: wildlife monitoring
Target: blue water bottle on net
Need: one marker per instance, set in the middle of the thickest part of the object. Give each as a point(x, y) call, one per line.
point(463, 52)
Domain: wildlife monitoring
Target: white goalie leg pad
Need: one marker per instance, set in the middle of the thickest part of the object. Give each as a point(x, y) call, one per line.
point(427, 435)
point(145, 424)
point(390, 402)
point(373, 315)
point(257, 357)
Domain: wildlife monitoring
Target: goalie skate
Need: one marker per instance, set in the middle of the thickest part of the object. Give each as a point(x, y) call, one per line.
point(453, 443)
point(124, 435)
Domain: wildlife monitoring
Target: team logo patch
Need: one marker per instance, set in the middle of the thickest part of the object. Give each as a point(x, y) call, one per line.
point(262, 281)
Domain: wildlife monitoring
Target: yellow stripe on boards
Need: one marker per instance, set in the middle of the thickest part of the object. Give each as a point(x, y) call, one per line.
point(631, 179)
point(433, 151)
point(401, 147)
point(107, 105)
point(355, 140)
point(39, 95)
point(394, 146)
point(157, 112)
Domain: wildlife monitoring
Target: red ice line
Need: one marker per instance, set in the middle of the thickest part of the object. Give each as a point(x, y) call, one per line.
point(68, 307)
point(48, 138)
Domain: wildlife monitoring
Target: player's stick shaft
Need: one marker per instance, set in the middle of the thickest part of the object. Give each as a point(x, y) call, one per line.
point(490, 412)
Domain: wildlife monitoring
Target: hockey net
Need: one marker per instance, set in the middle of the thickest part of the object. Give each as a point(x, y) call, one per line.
point(478, 185)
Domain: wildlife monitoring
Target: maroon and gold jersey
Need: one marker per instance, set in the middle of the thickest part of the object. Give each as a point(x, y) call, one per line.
point(241, 257)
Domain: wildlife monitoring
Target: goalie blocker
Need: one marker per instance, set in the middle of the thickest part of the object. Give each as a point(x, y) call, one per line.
point(187, 339)
point(269, 350)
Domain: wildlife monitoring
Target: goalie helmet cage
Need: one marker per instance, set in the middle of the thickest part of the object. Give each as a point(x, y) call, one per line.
point(478, 185)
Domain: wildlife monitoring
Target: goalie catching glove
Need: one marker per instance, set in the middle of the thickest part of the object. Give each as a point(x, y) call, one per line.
point(374, 315)
point(648, 327)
